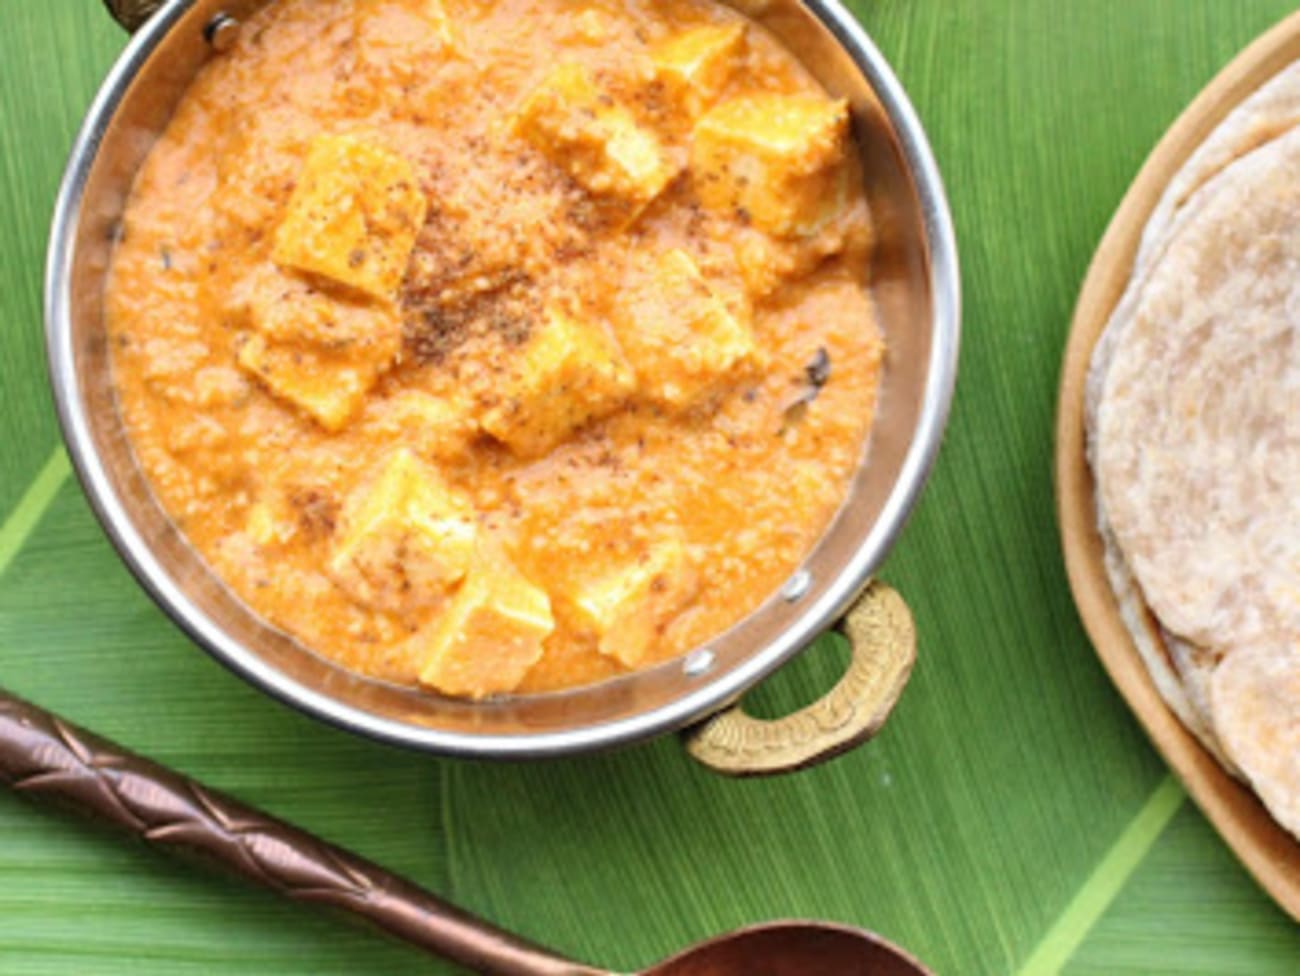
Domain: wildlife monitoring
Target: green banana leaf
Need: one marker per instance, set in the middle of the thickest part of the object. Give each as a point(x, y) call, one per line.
point(1012, 817)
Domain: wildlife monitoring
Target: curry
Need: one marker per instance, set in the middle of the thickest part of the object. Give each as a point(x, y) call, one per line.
point(499, 347)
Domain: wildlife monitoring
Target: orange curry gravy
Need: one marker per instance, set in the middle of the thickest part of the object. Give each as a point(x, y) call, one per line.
point(475, 343)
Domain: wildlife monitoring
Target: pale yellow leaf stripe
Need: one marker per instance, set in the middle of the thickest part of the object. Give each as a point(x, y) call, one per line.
point(36, 499)
point(1106, 881)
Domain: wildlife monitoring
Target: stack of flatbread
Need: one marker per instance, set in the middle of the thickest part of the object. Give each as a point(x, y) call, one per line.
point(1194, 439)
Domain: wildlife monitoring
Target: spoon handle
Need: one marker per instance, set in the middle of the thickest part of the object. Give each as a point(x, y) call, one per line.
point(42, 754)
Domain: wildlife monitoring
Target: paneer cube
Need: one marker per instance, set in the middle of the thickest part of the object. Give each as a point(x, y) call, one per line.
point(406, 538)
point(492, 633)
point(319, 352)
point(696, 65)
point(285, 307)
point(594, 139)
point(685, 343)
point(629, 608)
point(353, 216)
point(777, 161)
point(327, 385)
point(568, 374)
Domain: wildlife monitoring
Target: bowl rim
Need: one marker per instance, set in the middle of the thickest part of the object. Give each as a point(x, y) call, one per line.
point(941, 371)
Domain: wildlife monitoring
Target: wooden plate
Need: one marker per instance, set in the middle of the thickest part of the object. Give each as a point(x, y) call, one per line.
point(1269, 852)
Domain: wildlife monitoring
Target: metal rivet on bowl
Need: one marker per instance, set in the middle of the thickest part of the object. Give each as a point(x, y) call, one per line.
point(797, 585)
point(221, 33)
point(699, 662)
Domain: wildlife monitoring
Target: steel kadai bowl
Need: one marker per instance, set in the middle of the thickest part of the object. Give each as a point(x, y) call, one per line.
point(914, 270)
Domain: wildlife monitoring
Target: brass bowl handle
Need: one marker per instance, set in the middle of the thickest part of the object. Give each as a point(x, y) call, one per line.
point(882, 639)
point(132, 14)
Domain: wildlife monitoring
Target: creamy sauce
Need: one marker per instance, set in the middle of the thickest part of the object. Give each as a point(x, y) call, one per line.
point(275, 386)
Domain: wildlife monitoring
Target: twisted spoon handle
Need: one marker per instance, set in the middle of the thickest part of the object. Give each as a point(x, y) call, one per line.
point(42, 754)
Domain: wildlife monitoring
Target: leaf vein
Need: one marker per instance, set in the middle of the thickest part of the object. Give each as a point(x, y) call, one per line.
point(33, 504)
point(1106, 881)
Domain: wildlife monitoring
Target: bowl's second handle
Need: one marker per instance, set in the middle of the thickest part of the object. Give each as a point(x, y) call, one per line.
point(882, 637)
point(132, 14)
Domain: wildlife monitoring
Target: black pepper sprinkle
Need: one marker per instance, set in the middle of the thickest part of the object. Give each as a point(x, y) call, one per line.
point(818, 370)
point(817, 374)
point(317, 511)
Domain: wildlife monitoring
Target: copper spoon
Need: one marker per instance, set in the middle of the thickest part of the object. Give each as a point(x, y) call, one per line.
point(42, 754)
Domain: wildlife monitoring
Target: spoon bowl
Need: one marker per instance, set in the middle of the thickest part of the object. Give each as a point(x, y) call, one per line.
point(792, 949)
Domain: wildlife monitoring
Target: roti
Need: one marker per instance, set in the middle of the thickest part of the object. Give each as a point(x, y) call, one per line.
point(1257, 707)
point(1194, 435)
point(1198, 430)
point(1269, 113)
point(1155, 647)
point(1174, 664)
